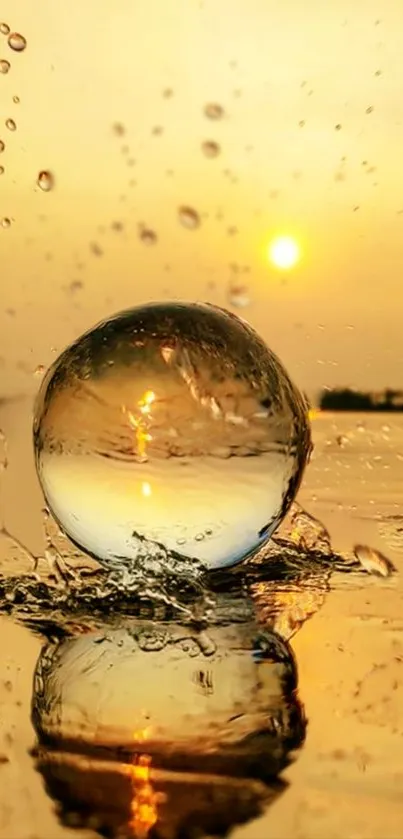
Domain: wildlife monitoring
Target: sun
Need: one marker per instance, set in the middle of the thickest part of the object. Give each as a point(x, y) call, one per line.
point(284, 252)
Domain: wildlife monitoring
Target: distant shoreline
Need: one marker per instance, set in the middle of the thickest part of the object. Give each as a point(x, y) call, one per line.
point(376, 410)
point(345, 399)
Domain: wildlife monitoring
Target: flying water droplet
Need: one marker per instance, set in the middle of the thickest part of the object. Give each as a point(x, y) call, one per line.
point(2, 146)
point(11, 125)
point(16, 100)
point(147, 236)
point(214, 111)
point(210, 148)
point(373, 561)
point(5, 222)
point(1, 170)
point(16, 42)
point(238, 295)
point(45, 180)
point(130, 424)
point(119, 129)
point(4, 66)
point(96, 249)
point(4, 28)
point(189, 218)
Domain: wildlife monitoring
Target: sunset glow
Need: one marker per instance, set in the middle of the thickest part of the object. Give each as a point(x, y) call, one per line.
point(284, 252)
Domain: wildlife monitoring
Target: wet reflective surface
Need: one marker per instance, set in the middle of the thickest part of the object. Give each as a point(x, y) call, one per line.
point(87, 636)
point(174, 715)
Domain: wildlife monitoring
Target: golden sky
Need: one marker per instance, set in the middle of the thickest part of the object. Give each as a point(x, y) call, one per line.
point(310, 144)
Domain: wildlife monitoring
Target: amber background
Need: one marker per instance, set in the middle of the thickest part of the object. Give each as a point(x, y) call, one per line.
point(287, 74)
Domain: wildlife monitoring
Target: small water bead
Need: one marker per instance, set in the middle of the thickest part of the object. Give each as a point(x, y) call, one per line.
point(4, 28)
point(11, 125)
point(5, 222)
point(4, 66)
point(147, 236)
point(16, 100)
point(119, 129)
point(1, 170)
point(210, 148)
point(129, 428)
point(45, 180)
point(214, 111)
point(189, 218)
point(238, 295)
point(16, 42)
point(96, 249)
point(2, 146)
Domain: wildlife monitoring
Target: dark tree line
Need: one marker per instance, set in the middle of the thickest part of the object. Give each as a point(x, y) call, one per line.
point(347, 399)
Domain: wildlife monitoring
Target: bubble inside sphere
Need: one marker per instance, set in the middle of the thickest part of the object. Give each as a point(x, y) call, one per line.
point(174, 423)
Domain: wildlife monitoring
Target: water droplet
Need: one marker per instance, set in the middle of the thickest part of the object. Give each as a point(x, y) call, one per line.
point(214, 111)
point(373, 561)
point(4, 28)
point(1, 170)
point(301, 123)
point(5, 222)
point(96, 249)
point(75, 285)
point(17, 42)
point(147, 236)
point(116, 412)
point(167, 93)
point(189, 218)
point(39, 370)
point(210, 148)
point(369, 110)
point(337, 127)
point(16, 100)
point(45, 180)
point(11, 125)
point(4, 66)
point(152, 639)
point(238, 295)
point(2, 146)
point(119, 129)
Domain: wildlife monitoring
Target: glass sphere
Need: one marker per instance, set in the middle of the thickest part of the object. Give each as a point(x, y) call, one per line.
point(171, 423)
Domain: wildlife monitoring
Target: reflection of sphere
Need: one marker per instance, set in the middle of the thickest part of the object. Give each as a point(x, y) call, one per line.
point(200, 709)
point(171, 423)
